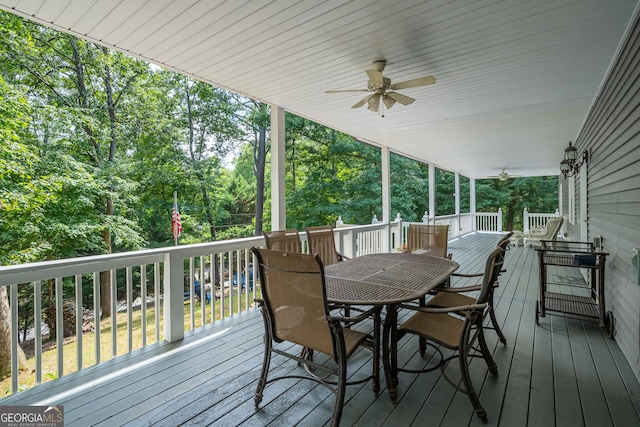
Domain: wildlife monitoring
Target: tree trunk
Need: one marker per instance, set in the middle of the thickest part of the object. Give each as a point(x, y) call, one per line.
point(105, 276)
point(510, 217)
point(259, 160)
point(5, 337)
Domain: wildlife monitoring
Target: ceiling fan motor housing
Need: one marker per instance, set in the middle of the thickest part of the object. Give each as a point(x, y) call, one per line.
point(386, 82)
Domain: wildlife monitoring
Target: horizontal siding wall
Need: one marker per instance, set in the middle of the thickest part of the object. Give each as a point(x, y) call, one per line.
point(611, 134)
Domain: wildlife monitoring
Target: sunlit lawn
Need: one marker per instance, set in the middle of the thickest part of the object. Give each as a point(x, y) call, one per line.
point(27, 377)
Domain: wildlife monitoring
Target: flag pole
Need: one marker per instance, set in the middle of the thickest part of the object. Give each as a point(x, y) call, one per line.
point(176, 224)
point(175, 212)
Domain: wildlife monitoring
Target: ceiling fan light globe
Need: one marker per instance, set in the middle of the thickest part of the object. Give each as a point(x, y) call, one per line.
point(374, 103)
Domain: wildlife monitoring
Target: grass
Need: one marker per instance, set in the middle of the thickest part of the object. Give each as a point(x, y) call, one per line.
point(27, 377)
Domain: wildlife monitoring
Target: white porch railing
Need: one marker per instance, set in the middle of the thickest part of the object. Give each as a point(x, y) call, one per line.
point(489, 221)
point(180, 288)
point(197, 285)
point(536, 219)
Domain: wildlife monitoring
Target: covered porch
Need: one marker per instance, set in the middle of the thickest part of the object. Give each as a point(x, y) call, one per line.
point(566, 371)
point(530, 103)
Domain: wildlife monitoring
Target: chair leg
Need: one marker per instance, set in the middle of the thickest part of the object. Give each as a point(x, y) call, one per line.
point(486, 353)
point(468, 385)
point(266, 362)
point(341, 388)
point(496, 327)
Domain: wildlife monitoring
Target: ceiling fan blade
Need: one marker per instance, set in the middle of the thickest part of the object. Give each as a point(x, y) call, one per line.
point(347, 90)
point(402, 99)
point(362, 101)
point(388, 101)
point(422, 81)
point(376, 77)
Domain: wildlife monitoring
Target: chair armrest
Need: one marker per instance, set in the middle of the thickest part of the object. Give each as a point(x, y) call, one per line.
point(467, 274)
point(342, 257)
point(362, 316)
point(536, 233)
point(456, 309)
point(459, 289)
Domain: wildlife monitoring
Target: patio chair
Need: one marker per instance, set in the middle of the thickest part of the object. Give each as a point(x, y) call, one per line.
point(429, 239)
point(322, 242)
point(547, 232)
point(459, 333)
point(294, 308)
point(283, 240)
point(455, 296)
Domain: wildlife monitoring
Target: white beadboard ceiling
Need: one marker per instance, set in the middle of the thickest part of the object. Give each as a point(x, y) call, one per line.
point(515, 79)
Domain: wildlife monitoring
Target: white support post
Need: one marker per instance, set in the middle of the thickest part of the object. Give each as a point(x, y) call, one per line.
point(525, 220)
point(278, 197)
point(432, 191)
point(173, 297)
point(456, 232)
point(385, 161)
point(499, 225)
point(472, 203)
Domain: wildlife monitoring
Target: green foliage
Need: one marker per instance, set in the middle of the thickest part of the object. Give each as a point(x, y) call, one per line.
point(329, 174)
point(127, 135)
point(537, 194)
point(409, 188)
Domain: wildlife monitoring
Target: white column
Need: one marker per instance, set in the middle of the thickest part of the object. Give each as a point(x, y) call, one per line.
point(385, 162)
point(432, 191)
point(278, 198)
point(456, 232)
point(173, 297)
point(472, 202)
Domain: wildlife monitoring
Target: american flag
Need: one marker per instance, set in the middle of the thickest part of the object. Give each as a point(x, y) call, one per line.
point(176, 225)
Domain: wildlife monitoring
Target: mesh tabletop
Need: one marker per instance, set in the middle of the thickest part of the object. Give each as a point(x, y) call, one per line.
point(385, 278)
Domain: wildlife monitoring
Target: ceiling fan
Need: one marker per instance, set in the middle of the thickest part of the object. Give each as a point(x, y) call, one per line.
point(382, 90)
point(503, 176)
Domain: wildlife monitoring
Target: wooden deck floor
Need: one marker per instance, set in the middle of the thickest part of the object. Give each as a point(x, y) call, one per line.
point(564, 372)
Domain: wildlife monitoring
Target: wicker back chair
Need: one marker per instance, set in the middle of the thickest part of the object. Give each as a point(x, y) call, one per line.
point(455, 296)
point(429, 238)
point(548, 232)
point(322, 242)
point(283, 240)
point(459, 333)
point(294, 308)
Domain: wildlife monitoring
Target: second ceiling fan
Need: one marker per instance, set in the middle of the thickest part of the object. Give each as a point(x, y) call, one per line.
point(382, 89)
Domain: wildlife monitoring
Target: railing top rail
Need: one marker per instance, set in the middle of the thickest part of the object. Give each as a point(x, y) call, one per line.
point(25, 273)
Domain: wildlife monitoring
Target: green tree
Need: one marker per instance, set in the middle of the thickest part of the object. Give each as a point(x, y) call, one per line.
point(17, 201)
point(332, 175)
point(409, 188)
point(538, 194)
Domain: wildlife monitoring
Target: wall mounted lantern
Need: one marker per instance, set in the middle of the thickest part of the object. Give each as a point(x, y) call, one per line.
point(570, 165)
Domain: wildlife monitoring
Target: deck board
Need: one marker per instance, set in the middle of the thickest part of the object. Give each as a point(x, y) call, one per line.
point(565, 371)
